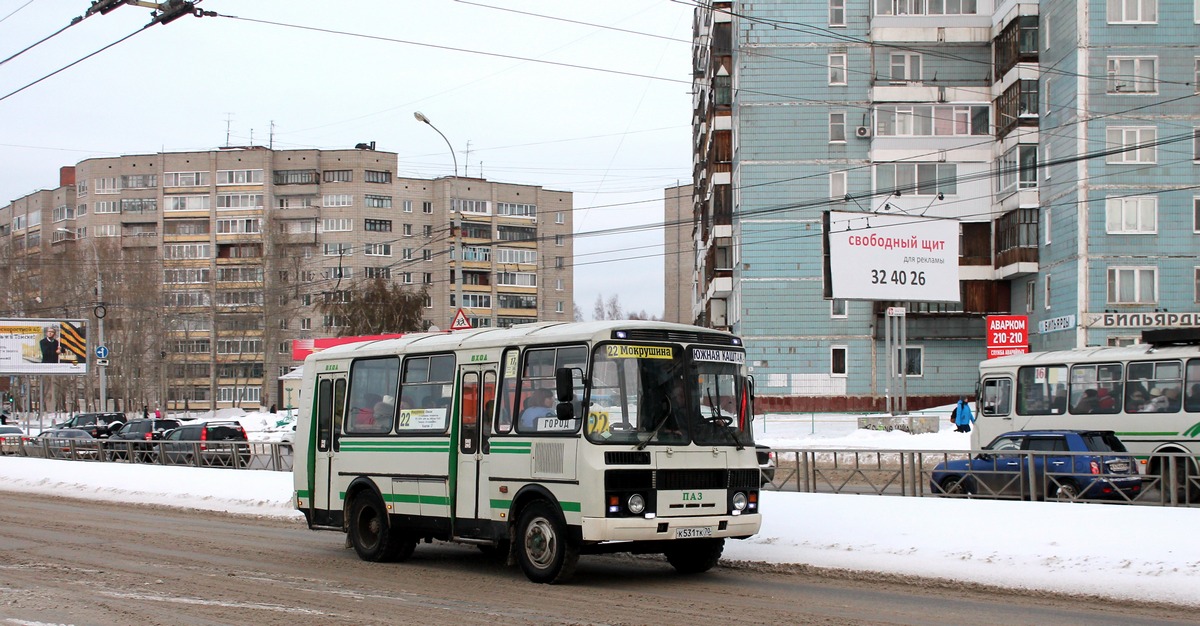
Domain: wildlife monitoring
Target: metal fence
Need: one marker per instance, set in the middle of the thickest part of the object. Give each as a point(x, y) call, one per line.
point(255, 455)
point(912, 473)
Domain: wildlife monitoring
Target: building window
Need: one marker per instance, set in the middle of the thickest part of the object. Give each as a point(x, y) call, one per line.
point(911, 361)
point(1030, 292)
point(378, 226)
point(1196, 143)
point(427, 278)
point(337, 200)
point(837, 69)
point(239, 177)
point(837, 308)
point(338, 249)
point(378, 272)
point(837, 12)
point(558, 262)
point(188, 203)
point(1132, 11)
point(305, 324)
point(239, 226)
point(372, 176)
point(1017, 169)
point(1131, 144)
point(837, 127)
point(239, 201)
point(905, 67)
point(338, 176)
point(377, 249)
point(378, 202)
point(1046, 295)
point(1132, 75)
point(185, 179)
point(925, 7)
point(406, 254)
point(922, 179)
point(561, 218)
point(1046, 218)
point(1196, 288)
point(837, 185)
point(903, 120)
point(1131, 216)
point(1132, 285)
point(294, 202)
point(837, 361)
point(558, 284)
point(427, 231)
point(559, 307)
point(1196, 75)
point(337, 225)
point(427, 207)
point(516, 210)
point(560, 240)
point(1196, 213)
point(474, 207)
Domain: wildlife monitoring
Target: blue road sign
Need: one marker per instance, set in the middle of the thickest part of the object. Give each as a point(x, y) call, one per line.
point(101, 352)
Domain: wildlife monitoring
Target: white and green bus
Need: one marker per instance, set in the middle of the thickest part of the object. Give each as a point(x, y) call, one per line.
point(1148, 393)
point(539, 442)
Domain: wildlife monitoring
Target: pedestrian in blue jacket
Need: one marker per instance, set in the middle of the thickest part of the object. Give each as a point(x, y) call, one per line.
point(963, 416)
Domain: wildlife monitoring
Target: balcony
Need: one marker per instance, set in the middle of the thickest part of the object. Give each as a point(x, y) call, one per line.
point(1017, 244)
point(140, 240)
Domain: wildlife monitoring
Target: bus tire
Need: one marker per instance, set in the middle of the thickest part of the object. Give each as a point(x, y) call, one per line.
point(695, 556)
point(371, 536)
point(546, 553)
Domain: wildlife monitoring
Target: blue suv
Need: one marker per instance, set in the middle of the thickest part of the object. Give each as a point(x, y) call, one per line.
point(1097, 467)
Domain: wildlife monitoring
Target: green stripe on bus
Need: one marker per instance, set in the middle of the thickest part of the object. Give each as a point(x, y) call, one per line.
point(394, 450)
point(511, 447)
point(399, 443)
point(571, 507)
point(412, 498)
point(303, 493)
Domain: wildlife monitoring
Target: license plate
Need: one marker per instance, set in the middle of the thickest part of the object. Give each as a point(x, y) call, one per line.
point(1119, 467)
point(692, 533)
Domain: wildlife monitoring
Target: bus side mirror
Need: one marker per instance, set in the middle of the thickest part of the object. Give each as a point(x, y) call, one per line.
point(564, 411)
point(564, 385)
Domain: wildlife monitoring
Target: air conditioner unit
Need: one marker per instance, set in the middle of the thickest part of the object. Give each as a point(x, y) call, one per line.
point(862, 132)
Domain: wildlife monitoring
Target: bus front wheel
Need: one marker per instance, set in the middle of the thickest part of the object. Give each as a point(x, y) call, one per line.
point(695, 556)
point(546, 554)
point(373, 539)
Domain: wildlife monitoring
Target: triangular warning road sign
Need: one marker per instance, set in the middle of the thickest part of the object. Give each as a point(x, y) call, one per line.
point(460, 321)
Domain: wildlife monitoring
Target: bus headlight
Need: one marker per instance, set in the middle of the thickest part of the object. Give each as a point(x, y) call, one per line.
point(636, 504)
point(739, 501)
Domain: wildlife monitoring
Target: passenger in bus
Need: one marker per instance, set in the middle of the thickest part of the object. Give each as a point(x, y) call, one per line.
point(1105, 402)
point(1170, 399)
point(540, 404)
point(1136, 402)
point(1158, 401)
point(1088, 403)
point(1192, 402)
point(364, 418)
point(383, 411)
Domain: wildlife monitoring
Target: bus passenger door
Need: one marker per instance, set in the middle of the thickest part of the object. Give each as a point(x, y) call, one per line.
point(331, 400)
point(472, 507)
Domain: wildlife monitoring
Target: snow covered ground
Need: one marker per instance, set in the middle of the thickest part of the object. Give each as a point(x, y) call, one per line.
point(1140, 553)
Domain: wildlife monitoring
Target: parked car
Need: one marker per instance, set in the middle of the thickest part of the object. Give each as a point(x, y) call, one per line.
point(286, 440)
point(140, 432)
point(766, 463)
point(1003, 469)
point(209, 443)
point(63, 443)
point(100, 425)
point(10, 439)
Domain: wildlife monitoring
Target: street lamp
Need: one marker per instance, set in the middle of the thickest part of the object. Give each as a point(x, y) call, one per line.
point(457, 223)
point(99, 312)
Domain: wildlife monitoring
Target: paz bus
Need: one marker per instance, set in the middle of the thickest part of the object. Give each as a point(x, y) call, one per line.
point(1148, 393)
point(538, 443)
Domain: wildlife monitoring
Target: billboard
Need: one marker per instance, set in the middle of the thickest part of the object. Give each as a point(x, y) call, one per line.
point(907, 258)
point(33, 347)
point(1007, 335)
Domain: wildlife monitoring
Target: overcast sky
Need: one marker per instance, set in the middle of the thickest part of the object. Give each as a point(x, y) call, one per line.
point(615, 138)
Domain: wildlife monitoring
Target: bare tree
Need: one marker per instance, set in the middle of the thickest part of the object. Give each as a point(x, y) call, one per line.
point(598, 308)
point(374, 307)
point(578, 313)
point(613, 308)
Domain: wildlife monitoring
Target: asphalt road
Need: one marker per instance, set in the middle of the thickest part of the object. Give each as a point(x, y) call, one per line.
point(76, 562)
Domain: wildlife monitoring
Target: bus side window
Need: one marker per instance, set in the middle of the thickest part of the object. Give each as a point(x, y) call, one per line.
point(996, 394)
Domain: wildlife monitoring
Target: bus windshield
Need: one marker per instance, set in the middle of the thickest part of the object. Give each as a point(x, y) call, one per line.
point(644, 395)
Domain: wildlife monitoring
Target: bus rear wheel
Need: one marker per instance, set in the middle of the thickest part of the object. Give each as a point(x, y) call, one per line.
point(373, 539)
point(695, 556)
point(546, 554)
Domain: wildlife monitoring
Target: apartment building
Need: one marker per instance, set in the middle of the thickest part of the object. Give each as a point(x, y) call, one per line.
point(1060, 135)
point(214, 262)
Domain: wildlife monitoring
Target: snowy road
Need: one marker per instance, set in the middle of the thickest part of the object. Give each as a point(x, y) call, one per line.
point(76, 562)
